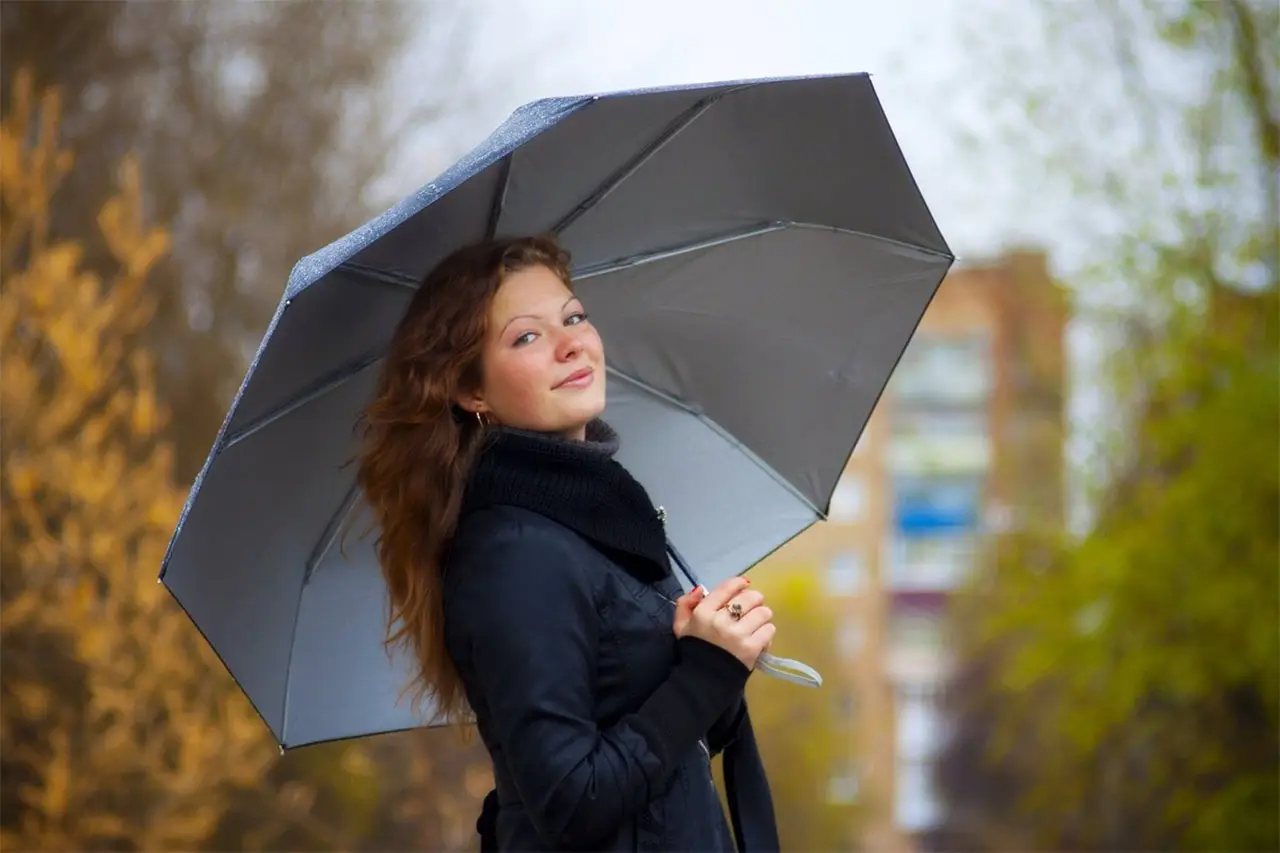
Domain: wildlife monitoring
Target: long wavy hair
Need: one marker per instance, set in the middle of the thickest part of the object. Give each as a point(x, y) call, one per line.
point(418, 447)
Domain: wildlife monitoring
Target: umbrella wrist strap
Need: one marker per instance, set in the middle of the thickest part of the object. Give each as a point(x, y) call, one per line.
point(789, 670)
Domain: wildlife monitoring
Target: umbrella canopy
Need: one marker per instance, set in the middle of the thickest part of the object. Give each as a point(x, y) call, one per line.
point(755, 255)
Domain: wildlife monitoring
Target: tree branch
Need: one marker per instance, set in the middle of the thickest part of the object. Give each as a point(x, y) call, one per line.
point(1249, 56)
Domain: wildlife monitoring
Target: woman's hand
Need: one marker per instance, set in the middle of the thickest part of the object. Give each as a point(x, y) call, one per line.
point(709, 618)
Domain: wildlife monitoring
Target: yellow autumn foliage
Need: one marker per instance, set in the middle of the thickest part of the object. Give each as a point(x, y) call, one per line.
point(118, 727)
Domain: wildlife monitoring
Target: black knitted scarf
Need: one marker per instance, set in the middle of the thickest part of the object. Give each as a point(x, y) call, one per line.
point(575, 483)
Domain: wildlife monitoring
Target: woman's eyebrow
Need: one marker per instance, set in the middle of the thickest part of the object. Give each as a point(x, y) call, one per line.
point(536, 316)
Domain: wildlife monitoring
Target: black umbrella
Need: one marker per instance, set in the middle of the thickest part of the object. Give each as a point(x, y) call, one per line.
point(756, 256)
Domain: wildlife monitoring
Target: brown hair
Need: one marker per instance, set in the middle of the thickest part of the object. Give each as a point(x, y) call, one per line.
point(419, 447)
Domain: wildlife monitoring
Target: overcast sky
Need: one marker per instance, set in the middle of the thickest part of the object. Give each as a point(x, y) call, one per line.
point(542, 48)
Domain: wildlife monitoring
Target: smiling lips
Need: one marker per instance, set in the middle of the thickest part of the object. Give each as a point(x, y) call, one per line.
point(578, 379)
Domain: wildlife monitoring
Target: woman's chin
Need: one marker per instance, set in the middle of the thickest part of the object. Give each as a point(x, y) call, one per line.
point(575, 421)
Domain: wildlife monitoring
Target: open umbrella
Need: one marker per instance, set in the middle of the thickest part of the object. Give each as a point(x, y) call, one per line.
point(756, 256)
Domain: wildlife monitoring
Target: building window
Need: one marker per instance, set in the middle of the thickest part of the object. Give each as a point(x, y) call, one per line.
point(846, 500)
point(944, 369)
point(849, 638)
point(845, 572)
point(915, 630)
point(933, 563)
point(915, 804)
point(844, 785)
point(940, 442)
point(920, 729)
point(941, 424)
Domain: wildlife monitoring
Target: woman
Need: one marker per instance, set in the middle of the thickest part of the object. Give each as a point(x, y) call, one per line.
point(528, 573)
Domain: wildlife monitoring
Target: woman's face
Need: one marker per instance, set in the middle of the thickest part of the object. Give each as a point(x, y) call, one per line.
point(543, 363)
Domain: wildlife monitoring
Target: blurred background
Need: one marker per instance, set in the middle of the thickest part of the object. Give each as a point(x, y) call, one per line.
point(1047, 598)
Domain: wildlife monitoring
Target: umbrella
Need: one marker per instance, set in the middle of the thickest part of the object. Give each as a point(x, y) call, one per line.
point(756, 256)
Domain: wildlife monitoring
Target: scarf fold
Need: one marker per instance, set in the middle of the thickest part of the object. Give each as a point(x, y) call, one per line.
point(575, 483)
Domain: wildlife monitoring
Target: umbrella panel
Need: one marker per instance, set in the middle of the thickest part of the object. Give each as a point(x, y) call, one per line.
point(242, 552)
point(793, 327)
point(321, 337)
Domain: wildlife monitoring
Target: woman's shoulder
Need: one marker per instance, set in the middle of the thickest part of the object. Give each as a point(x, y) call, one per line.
point(507, 566)
point(501, 542)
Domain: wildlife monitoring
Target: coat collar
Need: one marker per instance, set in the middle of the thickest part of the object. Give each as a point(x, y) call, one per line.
point(577, 484)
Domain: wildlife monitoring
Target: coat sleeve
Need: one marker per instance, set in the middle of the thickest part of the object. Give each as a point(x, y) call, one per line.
point(524, 619)
point(724, 731)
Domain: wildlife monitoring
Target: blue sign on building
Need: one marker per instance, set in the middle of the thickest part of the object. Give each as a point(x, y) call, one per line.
point(927, 506)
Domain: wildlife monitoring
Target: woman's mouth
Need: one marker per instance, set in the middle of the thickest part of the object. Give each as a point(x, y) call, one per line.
point(578, 379)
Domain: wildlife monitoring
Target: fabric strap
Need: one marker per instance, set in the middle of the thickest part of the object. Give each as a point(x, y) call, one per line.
point(746, 786)
point(789, 670)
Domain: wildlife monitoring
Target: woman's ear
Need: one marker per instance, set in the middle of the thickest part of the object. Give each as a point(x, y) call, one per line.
point(471, 403)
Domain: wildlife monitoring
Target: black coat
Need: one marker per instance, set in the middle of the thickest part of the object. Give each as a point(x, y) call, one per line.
point(558, 613)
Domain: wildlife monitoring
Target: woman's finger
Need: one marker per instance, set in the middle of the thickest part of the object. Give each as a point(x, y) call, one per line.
point(685, 605)
point(748, 598)
point(764, 635)
point(754, 619)
point(719, 596)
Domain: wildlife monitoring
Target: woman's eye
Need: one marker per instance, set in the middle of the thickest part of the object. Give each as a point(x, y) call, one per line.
point(526, 338)
point(575, 319)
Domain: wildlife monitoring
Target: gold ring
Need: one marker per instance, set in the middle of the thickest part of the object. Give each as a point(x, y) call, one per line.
point(735, 610)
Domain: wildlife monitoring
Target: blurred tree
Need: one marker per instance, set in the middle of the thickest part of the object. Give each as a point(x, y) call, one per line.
point(414, 790)
point(118, 727)
point(806, 737)
point(261, 128)
point(1119, 689)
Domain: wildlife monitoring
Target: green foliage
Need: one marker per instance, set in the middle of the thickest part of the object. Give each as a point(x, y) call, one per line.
point(1125, 681)
point(1157, 633)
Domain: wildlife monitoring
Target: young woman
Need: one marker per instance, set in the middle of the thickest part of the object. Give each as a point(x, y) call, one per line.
point(528, 573)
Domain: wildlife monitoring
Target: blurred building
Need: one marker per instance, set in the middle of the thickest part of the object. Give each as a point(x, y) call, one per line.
point(966, 440)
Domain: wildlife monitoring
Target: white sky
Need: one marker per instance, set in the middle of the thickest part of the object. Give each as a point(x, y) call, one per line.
point(563, 47)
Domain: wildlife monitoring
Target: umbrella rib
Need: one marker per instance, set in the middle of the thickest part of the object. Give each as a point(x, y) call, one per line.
point(319, 389)
point(327, 383)
point(853, 232)
point(499, 197)
point(606, 267)
point(323, 545)
point(724, 434)
point(332, 529)
point(629, 168)
point(377, 276)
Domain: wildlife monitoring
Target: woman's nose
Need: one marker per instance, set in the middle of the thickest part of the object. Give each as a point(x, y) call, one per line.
point(568, 345)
